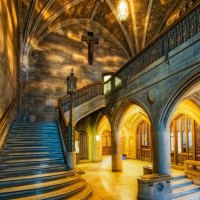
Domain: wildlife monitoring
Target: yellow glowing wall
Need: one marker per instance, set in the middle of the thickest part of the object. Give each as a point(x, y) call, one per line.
point(9, 49)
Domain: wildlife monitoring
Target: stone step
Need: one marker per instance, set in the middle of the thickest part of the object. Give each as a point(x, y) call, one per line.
point(30, 162)
point(193, 196)
point(181, 191)
point(31, 170)
point(54, 127)
point(32, 150)
point(181, 183)
point(39, 188)
point(25, 131)
point(35, 138)
point(33, 135)
point(178, 177)
point(78, 191)
point(7, 157)
point(25, 153)
point(32, 124)
point(29, 136)
point(20, 141)
point(29, 145)
point(30, 179)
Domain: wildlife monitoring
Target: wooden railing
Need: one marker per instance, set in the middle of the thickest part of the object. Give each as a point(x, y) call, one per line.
point(82, 95)
point(5, 119)
point(179, 32)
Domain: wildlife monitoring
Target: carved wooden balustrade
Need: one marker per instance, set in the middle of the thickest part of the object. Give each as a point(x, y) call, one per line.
point(82, 95)
point(179, 32)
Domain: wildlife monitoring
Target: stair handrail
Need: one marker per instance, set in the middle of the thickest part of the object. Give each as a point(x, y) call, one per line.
point(177, 33)
point(82, 95)
point(4, 118)
point(4, 121)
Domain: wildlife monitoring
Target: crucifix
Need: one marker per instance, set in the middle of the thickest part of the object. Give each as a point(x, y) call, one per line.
point(91, 40)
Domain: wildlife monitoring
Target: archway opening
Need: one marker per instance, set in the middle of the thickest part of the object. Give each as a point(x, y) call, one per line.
point(103, 136)
point(135, 133)
point(185, 131)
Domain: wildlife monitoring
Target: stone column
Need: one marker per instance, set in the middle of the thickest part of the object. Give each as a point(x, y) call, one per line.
point(161, 149)
point(157, 186)
point(116, 152)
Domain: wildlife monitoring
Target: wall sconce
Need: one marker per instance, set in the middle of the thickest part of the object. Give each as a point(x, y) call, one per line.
point(97, 137)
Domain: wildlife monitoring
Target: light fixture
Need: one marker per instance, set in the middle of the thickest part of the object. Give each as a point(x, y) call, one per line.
point(122, 10)
point(97, 137)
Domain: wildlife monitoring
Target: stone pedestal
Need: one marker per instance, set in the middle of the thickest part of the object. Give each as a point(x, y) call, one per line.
point(71, 159)
point(154, 187)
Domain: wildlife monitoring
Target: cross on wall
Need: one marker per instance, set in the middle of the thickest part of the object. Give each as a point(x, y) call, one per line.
point(91, 40)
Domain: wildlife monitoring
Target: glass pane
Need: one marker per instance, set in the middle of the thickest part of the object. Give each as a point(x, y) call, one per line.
point(189, 124)
point(138, 139)
point(179, 142)
point(142, 138)
point(184, 142)
point(183, 123)
point(190, 142)
point(106, 77)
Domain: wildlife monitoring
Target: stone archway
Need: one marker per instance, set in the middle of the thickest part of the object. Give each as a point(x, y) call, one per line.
point(132, 138)
point(103, 136)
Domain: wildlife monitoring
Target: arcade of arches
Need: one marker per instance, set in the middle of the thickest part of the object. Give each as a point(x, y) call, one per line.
point(134, 130)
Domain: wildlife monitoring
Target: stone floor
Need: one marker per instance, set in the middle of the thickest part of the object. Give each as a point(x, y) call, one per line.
point(108, 185)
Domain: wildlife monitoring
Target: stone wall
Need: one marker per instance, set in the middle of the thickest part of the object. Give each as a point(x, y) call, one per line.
point(9, 49)
point(52, 62)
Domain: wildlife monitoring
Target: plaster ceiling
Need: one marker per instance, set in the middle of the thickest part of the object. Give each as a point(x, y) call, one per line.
point(147, 18)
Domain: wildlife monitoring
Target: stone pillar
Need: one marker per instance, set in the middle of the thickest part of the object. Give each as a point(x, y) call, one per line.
point(161, 149)
point(116, 153)
point(71, 159)
point(157, 186)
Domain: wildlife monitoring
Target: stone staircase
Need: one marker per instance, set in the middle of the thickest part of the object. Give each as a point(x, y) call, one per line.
point(32, 166)
point(184, 189)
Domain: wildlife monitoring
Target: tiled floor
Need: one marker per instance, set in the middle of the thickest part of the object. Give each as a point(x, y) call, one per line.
point(108, 185)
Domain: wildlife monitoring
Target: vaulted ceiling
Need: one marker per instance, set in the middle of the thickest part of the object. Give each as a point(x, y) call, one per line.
point(147, 18)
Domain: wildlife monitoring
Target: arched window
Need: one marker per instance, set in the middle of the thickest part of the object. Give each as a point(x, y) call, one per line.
point(183, 131)
point(106, 142)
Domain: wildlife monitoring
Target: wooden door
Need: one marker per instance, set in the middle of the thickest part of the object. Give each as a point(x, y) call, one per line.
point(143, 142)
point(106, 143)
point(83, 147)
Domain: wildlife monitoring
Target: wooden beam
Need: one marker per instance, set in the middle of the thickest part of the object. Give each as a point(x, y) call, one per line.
point(134, 25)
point(94, 10)
point(28, 24)
point(146, 24)
point(79, 21)
point(53, 17)
point(174, 4)
point(35, 26)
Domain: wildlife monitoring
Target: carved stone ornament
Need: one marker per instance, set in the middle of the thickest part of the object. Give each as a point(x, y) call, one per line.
point(151, 95)
point(160, 187)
